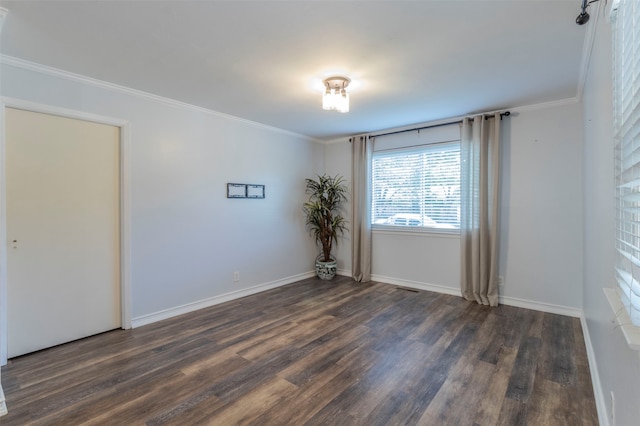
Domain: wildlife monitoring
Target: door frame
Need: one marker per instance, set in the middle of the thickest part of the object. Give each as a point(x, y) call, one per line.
point(125, 206)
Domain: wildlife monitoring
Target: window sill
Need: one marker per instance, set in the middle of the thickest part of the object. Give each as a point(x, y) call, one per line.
point(630, 332)
point(416, 231)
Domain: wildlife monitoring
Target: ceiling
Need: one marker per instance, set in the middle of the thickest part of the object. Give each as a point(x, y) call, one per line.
point(410, 61)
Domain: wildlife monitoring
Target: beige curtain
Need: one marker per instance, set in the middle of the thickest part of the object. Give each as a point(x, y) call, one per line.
point(361, 150)
point(480, 165)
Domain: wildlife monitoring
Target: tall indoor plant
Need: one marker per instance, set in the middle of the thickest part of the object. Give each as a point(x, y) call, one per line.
point(324, 219)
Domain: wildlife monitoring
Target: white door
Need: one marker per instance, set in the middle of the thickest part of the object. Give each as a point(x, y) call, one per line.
point(63, 227)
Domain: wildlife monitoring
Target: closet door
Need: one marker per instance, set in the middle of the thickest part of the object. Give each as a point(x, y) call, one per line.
point(63, 228)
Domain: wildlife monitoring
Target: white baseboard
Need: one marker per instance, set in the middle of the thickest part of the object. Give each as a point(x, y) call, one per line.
point(510, 301)
point(3, 406)
point(437, 288)
point(194, 306)
point(541, 306)
point(343, 272)
point(601, 405)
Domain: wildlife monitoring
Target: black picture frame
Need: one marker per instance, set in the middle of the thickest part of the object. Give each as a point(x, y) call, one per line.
point(245, 190)
point(255, 191)
point(236, 190)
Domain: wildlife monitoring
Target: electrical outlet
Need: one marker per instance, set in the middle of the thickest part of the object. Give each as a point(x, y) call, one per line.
point(500, 281)
point(236, 277)
point(613, 409)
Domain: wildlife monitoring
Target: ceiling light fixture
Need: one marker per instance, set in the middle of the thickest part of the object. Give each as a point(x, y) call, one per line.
point(335, 95)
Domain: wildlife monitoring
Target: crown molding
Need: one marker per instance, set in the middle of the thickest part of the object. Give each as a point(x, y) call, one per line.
point(43, 69)
point(78, 78)
point(341, 139)
point(545, 105)
point(453, 120)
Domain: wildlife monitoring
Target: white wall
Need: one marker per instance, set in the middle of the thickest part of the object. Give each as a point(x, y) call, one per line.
point(541, 217)
point(618, 366)
point(187, 238)
point(338, 162)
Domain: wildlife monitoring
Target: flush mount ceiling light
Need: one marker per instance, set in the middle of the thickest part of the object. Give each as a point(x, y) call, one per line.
point(335, 95)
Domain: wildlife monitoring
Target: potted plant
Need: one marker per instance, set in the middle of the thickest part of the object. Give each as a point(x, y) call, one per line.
point(324, 221)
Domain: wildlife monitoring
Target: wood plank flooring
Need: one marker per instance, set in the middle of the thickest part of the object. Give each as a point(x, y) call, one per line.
point(316, 353)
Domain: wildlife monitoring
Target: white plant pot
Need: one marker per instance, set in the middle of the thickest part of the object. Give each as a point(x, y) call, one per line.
point(326, 270)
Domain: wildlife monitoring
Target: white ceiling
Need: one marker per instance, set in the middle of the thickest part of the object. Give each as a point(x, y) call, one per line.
point(411, 61)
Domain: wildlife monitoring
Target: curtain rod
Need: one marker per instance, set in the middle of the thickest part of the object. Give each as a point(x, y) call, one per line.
point(486, 117)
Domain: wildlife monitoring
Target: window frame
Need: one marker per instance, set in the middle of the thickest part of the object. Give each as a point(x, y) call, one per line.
point(626, 92)
point(408, 229)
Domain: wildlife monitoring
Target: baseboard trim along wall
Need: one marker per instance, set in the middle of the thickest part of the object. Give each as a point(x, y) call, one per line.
point(601, 405)
point(417, 285)
point(510, 301)
point(542, 306)
point(216, 300)
point(3, 406)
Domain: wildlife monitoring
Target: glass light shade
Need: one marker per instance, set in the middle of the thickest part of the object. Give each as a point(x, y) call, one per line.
point(335, 96)
point(343, 103)
point(327, 100)
point(335, 100)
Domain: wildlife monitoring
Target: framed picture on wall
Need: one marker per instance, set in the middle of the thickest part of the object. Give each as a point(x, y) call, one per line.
point(236, 190)
point(255, 191)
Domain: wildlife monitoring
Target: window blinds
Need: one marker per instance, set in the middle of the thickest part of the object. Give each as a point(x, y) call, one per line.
point(416, 179)
point(626, 109)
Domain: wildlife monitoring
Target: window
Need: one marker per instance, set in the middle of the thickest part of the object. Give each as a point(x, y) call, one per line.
point(626, 91)
point(419, 185)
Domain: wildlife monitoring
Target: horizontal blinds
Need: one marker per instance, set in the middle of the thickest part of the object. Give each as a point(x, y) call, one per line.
point(417, 186)
point(626, 88)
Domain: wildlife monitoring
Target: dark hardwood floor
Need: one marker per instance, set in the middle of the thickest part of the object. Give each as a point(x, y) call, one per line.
point(316, 353)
